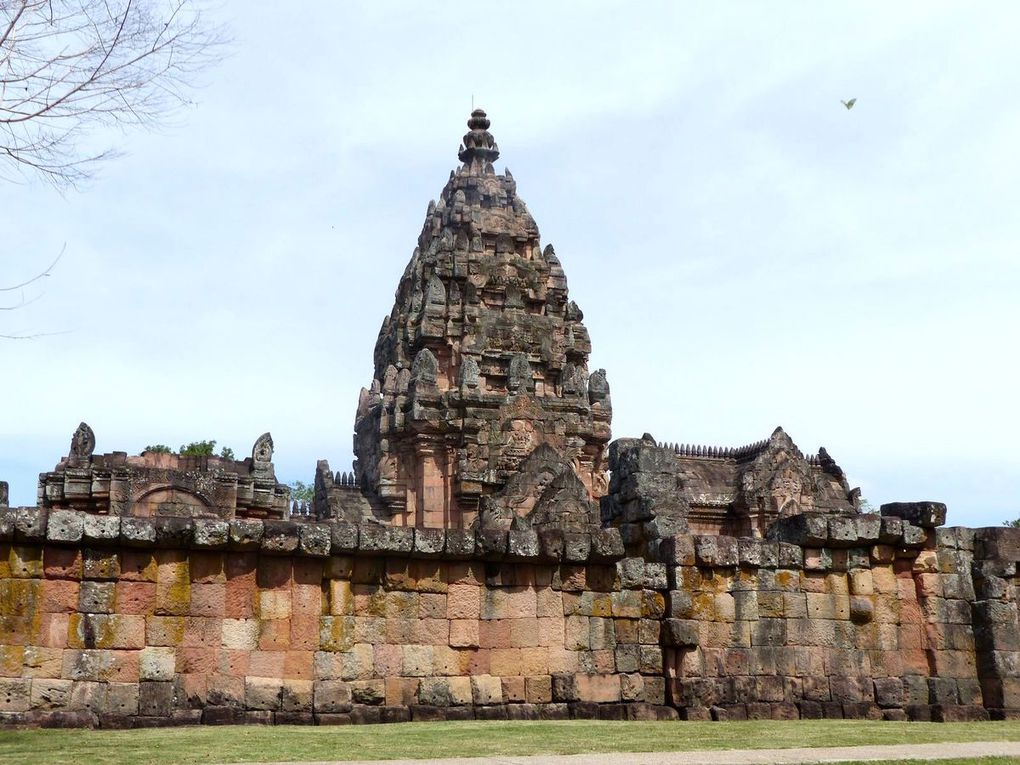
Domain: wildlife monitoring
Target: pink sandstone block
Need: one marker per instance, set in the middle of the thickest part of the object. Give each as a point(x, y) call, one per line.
point(275, 573)
point(573, 578)
point(359, 663)
point(534, 661)
point(240, 598)
point(298, 665)
point(62, 563)
point(478, 662)
point(203, 660)
point(388, 659)
point(506, 661)
point(401, 631)
point(164, 630)
point(267, 663)
point(202, 632)
point(370, 629)
point(308, 571)
point(304, 633)
point(432, 631)
point(513, 689)
point(494, 633)
point(341, 598)
point(53, 630)
point(627, 630)
point(226, 690)
point(551, 631)
point(306, 599)
point(603, 689)
point(417, 660)
point(572, 604)
point(369, 600)
point(274, 603)
point(463, 601)
point(603, 661)
point(563, 661)
point(135, 597)
point(448, 661)
point(549, 603)
point(208, 600)
point(538, 689)
point(207, 568)
point(194, 689)
point(274, 635)
point(466, 573)
point(401, 605)
point(432, 605)
point(59, 596)
point(524, 632)
point(861, 582)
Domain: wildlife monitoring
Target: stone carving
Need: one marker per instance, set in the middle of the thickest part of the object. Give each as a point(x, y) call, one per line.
point(544, 491)
point(469, 373)
point(598, 389)
point(262, 450)
point(481, 317)
point(83, 443)
point(425, 369)
point(519, 378)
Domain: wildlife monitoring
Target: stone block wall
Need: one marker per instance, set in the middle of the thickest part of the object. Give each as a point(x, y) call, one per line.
point(133, 621)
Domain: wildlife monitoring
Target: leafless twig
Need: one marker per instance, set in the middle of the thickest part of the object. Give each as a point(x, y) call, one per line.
point(70, 65)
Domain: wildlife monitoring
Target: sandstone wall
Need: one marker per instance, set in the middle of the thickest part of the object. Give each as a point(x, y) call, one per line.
point(135, 621)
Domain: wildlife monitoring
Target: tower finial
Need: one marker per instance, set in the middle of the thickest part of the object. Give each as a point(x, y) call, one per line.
point(478, 143)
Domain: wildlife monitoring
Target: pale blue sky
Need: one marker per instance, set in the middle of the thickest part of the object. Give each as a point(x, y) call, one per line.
point(746, 251)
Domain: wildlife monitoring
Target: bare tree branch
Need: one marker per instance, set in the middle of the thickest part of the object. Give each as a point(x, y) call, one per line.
point(22, 302)
point(41, 275)
point(70, 65)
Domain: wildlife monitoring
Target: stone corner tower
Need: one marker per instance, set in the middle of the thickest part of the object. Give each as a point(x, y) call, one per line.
point(482, 409)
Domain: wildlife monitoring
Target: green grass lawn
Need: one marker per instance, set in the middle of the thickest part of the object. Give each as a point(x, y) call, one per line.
point(165, 746)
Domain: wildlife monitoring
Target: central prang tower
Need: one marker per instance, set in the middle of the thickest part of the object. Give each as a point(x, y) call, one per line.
point(482, 410)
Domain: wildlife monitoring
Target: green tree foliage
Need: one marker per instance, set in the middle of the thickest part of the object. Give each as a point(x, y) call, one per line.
point(194, 449)
point(1014, 524)
point(301, 491)
point(198, 449)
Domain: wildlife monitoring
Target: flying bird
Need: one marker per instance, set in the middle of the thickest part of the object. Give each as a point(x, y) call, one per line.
point(849, 104)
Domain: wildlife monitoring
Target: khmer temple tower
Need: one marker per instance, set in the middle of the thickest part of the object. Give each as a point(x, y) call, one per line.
point(483, 359)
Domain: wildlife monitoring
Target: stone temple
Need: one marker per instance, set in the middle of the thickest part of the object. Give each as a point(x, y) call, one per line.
point(493, 554)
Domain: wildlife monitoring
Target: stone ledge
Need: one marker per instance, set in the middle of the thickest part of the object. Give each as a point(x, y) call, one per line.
point(820, 530)
point(927, 515)
point(308, 538)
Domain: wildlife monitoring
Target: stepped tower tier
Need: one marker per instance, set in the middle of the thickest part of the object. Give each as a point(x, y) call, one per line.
point(483, 359)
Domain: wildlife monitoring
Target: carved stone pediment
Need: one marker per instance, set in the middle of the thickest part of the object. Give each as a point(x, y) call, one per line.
point(544, 491)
